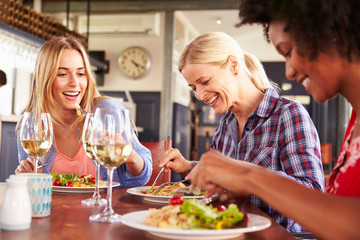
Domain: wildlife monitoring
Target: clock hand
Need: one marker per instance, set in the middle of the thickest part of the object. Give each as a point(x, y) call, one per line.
point(135, 63)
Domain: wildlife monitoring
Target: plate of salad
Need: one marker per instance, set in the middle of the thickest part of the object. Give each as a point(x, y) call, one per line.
point(73, 183)
point(191, 219)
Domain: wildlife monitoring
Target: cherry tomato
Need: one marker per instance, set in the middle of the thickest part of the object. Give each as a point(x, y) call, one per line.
point(176, 201)
point(56, 182)
point(83, 176)
point(69, 184)
point(220, 208)
point(92, 180)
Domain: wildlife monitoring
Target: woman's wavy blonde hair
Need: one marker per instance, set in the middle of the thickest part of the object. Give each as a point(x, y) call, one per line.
point(46, 68)
point(215, 48)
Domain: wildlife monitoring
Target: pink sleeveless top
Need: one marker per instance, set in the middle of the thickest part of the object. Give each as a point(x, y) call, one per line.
point(81, 164)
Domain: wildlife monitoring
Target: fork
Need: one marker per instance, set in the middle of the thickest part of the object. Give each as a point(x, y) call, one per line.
point(210, 199)
point(157, 177)
point(205, 200)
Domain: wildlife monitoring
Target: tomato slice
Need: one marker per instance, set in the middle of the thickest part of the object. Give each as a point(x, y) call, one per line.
point(220, 208)
point(56, 182)
point(176, 201)
point(92, 180)
point(246, 218)
point(69, 184)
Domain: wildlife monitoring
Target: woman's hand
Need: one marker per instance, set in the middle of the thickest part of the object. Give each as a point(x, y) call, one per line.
point(26, 166)
point(173, 159)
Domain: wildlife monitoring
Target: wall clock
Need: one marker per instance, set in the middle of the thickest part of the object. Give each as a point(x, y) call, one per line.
point(134, 62)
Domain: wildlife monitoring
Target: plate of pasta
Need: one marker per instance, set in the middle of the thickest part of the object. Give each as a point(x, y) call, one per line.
point(165, 194)
point(138, 220)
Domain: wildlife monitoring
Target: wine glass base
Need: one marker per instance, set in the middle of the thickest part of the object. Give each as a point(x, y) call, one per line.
point(94, 202)
point(112, 218)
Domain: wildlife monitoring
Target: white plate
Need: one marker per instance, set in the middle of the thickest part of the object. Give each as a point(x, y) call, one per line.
point(154, 198)
point(136, 219)
point(63, 189)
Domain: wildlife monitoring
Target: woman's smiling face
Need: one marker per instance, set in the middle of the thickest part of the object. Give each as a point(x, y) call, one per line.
point(212, 84)
point(321, 77)
point(71, 80)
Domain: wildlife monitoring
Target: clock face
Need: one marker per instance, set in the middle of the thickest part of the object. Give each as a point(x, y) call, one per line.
point(134, 62)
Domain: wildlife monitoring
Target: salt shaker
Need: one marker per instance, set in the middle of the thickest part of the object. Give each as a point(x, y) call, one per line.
point(16, 209)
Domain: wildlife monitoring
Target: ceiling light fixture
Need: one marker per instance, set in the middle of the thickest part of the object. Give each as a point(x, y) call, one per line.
point(218, 21)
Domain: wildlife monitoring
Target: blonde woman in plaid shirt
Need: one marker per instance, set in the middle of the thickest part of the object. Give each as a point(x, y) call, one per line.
point(258, 126)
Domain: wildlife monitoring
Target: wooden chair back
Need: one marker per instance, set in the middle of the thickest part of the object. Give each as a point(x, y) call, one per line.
point(157, 149)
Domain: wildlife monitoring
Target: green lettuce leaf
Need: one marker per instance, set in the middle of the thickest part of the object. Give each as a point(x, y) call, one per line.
point(64, 177)
point(208, 217)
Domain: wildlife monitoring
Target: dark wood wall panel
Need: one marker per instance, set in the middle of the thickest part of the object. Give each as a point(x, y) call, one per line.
point(147, 112)
point(9, 159)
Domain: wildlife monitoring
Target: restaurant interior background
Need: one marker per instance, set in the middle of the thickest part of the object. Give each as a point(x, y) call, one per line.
point(161, 101)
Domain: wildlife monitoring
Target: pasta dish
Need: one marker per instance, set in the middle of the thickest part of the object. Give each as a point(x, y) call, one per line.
point(192, 214)
point(170, 190)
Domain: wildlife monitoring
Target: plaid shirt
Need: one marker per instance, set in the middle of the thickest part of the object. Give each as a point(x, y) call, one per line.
point(279, 135)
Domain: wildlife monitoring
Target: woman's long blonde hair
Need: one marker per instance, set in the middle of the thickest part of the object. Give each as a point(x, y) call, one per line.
point(215, 48)
point(46, 68)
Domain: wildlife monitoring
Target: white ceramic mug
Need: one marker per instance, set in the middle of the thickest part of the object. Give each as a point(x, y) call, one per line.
point(40, 191)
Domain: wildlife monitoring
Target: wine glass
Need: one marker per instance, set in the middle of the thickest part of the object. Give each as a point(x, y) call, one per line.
point(112, 145)
point(86, 136)
point(36, 135)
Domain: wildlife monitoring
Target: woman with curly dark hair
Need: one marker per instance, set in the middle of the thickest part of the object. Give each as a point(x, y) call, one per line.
point(320, 41)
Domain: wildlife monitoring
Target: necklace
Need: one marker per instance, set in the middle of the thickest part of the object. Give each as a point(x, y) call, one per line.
point(69, 132)
point(64, 130)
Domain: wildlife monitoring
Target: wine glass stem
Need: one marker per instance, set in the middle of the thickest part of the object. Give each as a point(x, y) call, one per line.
point(36, 161)
point(97, 174)
point(108, 210)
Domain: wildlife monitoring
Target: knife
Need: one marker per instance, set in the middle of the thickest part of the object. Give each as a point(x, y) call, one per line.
point(162, 169)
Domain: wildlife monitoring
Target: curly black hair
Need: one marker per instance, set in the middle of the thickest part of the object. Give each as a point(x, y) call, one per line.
point(3, 80)
point(313, 24)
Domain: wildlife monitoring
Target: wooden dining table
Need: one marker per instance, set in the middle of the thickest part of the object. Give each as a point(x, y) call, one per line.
point(70, 220)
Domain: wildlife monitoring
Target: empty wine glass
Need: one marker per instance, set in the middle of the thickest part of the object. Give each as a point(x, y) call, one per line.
point(96, 199)
point(112, 145)
point(36, 135)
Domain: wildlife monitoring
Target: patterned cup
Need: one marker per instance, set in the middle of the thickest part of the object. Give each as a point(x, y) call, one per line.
point(40, 191)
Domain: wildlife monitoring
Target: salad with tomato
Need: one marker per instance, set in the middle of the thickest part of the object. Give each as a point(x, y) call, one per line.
point(72, 180)
point(193, 214)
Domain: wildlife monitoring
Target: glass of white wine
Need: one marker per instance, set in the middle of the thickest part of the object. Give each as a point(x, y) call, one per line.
point(112, 145)
point(86, 136)
point(36, 135)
